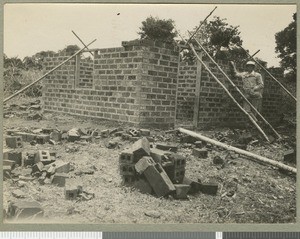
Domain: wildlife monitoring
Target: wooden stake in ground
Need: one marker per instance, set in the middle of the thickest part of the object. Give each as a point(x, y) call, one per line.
point(42, 77)
point(229, 94)
point(239, 151)
point(237, 89)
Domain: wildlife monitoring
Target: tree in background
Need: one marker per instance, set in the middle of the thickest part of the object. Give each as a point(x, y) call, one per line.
point(220, 39)
point(286, 47)
point(158, 30)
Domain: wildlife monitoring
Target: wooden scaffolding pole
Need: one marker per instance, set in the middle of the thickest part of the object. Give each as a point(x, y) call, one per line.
point(240, 151)
point(49, 72)
point(238, 90)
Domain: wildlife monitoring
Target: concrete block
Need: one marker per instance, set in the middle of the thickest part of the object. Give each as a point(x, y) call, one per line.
point(29, 159)
point(62, 167)
point(44, 157)
point(289, 156)
point(172, 148)
point(15, 155)
point(195, 186)
point(24, 210)
point(14, 142)
point(30, 137)
point(38, 167)
point(56, 136)
point(127, 169)
point(140, 149)
point(42, 138)
point(126, 156)
point(143, 186)
point(210, 188)
point(145, 132)
point(200, 153)
point(181, 191)
point(158, 155)
point(143, 164)
point(72, 191)
point(59, 179)
point(179, 174)
point(159, 180)
point(178, 160)
point(5, 153)
point(134, 133)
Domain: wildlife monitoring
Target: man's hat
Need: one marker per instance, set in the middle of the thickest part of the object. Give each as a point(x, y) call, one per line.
point(250, 63)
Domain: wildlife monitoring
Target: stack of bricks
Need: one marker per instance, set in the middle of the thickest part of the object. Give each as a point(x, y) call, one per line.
point(176, 168)
point(129, 157)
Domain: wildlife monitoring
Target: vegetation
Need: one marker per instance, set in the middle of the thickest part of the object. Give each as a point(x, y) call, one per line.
point(158, 30)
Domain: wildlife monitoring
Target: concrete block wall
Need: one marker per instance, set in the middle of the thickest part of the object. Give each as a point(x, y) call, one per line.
point(158, 85)
point(86, 69)
point(216, 108)
point(187, 76)
point(135, 83)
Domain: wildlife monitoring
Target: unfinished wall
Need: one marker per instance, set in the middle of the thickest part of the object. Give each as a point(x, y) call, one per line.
point(216, 108)
point(135, 83)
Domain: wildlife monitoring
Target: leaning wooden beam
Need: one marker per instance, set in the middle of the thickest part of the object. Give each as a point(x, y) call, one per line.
point(247, 59)
point(278, 82)
point(239, 151)
point(238, 90)
point(82, 42)
point(198, 28)
point(229, 94)
point(49, 72)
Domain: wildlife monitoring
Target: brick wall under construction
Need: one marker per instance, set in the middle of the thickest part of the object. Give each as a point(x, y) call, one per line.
point(215, 106)
point(141, 83)
point(135, 83)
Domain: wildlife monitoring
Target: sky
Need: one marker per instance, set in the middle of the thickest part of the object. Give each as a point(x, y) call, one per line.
point(30, 28)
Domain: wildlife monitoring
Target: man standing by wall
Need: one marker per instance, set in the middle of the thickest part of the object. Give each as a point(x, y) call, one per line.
point(253, 87)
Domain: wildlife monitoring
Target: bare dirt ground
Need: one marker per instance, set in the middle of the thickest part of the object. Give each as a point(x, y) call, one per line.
point(248, 191)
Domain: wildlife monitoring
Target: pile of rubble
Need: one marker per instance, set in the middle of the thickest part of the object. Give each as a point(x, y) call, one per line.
point(160, 170)
point(28, 110)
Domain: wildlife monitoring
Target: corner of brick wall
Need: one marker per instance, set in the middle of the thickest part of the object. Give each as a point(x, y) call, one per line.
point(158, 85)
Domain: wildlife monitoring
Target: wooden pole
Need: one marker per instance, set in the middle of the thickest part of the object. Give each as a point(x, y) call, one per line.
point(42, 77)
point(188, 41)
point(82, 42)
point(238, 90)
point(278, 82)
point(239, 151)
point(197, 93)
point(229, 94)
